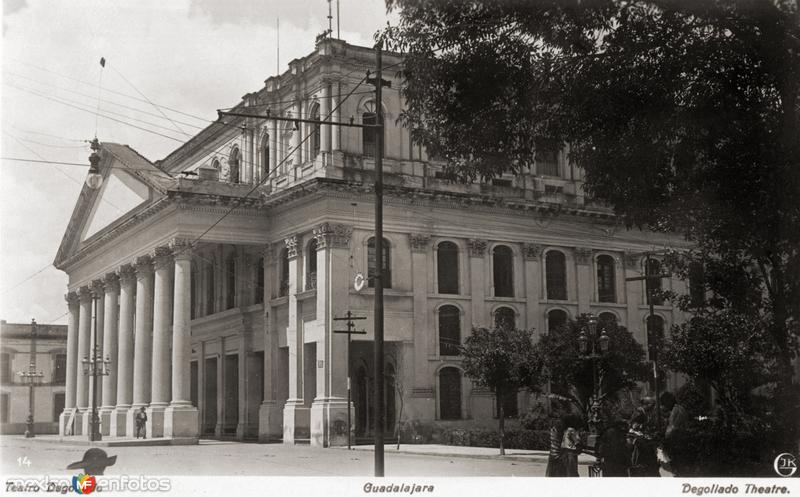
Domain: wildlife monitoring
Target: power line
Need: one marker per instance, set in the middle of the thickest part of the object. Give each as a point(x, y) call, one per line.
point(26, 279)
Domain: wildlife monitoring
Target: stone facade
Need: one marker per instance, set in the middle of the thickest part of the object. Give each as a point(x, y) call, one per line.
point(221, 291)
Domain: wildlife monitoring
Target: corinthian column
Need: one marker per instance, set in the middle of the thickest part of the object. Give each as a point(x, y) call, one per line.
point(124, 366)
point(180, 418)
point(162, 258)
point(67, 419)
point(111, 316)
point(143, 339)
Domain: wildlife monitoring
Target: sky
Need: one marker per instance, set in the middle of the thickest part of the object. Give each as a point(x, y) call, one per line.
point(188, 57)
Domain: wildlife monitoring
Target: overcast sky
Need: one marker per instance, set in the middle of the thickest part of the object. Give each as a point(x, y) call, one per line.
point(193, 56)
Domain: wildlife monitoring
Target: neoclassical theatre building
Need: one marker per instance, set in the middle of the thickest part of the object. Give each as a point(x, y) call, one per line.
point(218, 271)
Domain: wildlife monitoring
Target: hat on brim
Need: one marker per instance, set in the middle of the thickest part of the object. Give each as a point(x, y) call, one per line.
point(94, 457)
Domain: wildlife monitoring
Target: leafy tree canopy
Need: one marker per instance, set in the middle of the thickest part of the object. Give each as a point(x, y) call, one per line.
point(682, 115)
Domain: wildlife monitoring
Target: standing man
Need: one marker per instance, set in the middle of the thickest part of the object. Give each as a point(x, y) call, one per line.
point(141, 422)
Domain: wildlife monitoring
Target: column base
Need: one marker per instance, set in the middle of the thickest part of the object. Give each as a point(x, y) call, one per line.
point(119, 417)
point(130, 421)
point(270, 422)
point(67, 421)
point(329, 422)
point(181, 422)
point(85, 416)
point(295, 421)
point(155, 420)
point(106, 413)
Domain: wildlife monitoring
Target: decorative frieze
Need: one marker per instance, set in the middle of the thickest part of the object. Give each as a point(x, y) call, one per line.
point(333, 235)
point(477, 248)
point(291, 246)
point(583, 255)
point(532, 251)
point(419, 242)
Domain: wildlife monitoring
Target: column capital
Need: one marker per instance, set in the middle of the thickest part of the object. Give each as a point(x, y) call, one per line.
point(84, 294)
point(532, 251)
point(181, 248)
point(419, 241)
point(631, 259)
point(291, 246)
point(125, 273)
point(583, 255)
point(97, 288)
point(111, 282)
point(143, 266)
point(71, 298)
point(477, 247)
point(266, 252)
point(162, 257)
point(333, 235)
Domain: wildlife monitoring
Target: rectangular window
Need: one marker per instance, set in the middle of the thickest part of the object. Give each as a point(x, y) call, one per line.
point(5, 369)
point(547, 162)
point(58, 405)
point(4, 408)
point(60, 369)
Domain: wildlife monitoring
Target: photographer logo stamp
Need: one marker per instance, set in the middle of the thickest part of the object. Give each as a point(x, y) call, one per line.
point(785, 465)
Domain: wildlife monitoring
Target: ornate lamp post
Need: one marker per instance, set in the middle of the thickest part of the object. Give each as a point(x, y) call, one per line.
point(94, 367)
point(31, 376)
point(593, 347)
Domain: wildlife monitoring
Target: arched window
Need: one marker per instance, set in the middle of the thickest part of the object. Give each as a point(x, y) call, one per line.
point(503, 266)
point(556, 318)
point(606, 284)
point(449, 393)
point(387, 263)
point(210, 289)
point(233, 162)
point(447, 267)
point(311, 265)
point(215, 164)
point(697, 284)
point(259, 297)
point(606, 319)
point(449, 330)
point(368, 135)
point(230, 277)
point(505, 317)
point(265, 157)
point(655, 335)
point(283, 288)
point(315, 132)
point(556, 275)
point(653, 285)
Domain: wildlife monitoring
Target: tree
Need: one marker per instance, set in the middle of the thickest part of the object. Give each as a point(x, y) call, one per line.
point(684, 117)
point(572, 376)
point(504, 360)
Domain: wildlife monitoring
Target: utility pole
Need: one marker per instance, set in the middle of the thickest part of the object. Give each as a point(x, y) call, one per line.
point(349, 317)
point(31, 376)
point(651, 279)
point(378, 357)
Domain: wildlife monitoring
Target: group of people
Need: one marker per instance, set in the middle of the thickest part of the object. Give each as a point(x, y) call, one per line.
point(624, 448)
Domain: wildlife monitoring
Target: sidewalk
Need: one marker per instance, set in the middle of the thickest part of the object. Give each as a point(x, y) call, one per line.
point(469, 452)
point(109, 441)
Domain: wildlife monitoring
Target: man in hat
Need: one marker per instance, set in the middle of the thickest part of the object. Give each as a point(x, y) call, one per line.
point(141, 422)
point(94, 462)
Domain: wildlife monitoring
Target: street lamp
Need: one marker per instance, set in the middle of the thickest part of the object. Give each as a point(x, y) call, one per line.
point(94, 179)
point(593, 347)
point(94, 367)
point(31, 376)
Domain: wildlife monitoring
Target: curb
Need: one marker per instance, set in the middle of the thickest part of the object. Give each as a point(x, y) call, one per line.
point(498, 457)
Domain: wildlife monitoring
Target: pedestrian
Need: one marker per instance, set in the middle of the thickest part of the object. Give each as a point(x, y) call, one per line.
point(615, 457)
point(555, 466)
point(642, 439)
point(677, 417)
point(141, 422)
point(570, 444)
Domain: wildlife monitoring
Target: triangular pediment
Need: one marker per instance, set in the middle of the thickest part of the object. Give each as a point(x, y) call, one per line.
point(130, 184)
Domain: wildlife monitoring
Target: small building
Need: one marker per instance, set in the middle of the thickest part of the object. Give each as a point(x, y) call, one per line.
point(47, 353)
point(217, 272)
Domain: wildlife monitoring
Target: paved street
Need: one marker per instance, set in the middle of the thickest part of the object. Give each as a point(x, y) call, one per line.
point(214, 457)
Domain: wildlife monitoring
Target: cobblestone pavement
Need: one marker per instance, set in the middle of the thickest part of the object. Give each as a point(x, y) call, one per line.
point(212, 457)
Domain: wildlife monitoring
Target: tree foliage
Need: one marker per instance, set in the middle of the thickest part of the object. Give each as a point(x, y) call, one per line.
point(683, 116)
point(571, 375)
point(504, 360)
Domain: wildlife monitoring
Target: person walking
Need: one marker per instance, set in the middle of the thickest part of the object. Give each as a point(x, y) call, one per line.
point(642, 437)
point(570, 445)
point(141, 422)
